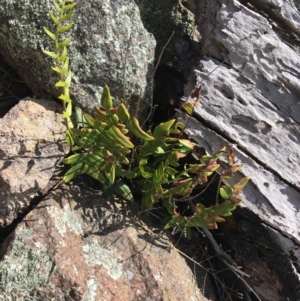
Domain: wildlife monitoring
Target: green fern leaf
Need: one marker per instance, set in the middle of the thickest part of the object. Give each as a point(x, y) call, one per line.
point(224, 194)
point(65, 27)
point(69, 6)
point(69, 109)
point(51, 54)
point(67, 16)
point(57, 7)
point(65, 68)
point(63, 56)
point(54, 18)
point(69, 139)
point(56, 69)
point(77, 158)
point(50, 34)
point(68, 80)
point(96, 174)
point(64, 43)
point(60, 84)
point(75, 171)
point(66, 114)
point(65, 98)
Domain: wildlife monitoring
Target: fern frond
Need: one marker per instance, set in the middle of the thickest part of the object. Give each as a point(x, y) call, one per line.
point(64, 10)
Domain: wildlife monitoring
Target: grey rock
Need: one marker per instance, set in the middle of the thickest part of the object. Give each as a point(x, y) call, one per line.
point(252, 101)
point(32, 142)
point(234, 106)
point(271, 199)
point(183, 50)
point(267, 223)
point(286, 13)
point(108, 39)
point(255, 51)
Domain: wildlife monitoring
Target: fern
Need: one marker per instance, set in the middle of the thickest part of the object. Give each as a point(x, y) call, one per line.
point(102, 148)
point(64, 10)
point(104, 151)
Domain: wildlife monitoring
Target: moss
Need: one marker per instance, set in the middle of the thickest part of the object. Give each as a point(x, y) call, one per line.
point(24, 273)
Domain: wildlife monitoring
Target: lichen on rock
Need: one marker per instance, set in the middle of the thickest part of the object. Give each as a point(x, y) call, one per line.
point(24, 271)
point(108, 38)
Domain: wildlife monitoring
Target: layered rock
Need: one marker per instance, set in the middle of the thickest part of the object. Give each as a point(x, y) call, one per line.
point(250, 100)
point(251, 97)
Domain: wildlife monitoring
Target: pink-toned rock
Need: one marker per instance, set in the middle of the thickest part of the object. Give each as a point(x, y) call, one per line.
point(32, 136)
point(77, 246)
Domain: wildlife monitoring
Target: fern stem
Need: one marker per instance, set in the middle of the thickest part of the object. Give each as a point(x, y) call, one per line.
point(58, 52)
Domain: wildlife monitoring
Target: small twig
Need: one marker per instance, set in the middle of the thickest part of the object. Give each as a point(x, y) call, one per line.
point(153, 74)
point(7, 90)
point(197, 195)
point(213, 70)
point(7, 73)
point(228, 261)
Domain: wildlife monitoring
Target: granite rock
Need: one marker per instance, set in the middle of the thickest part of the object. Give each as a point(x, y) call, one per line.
point(32, 142)
point(78, 246)
point(109, 46)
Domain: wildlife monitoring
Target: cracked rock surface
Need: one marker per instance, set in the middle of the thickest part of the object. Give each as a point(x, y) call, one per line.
point(77, 246)
point(32, 142)
point(251, 100)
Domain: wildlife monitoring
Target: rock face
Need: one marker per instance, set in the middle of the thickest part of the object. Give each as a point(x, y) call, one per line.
point(183, 50)
point(253, 101)
point(32, 142)
point(257, 234)
point(250, 99)
point(77, 246)
point(110, 46)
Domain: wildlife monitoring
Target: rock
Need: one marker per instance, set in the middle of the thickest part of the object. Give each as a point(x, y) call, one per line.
point(256, 52)
point(250, 100)
point(77, 246)
point(108, 38)
point(244, 103)
point(283, 12)
point(265, 235)
point(32, 142)
point(183, 50)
